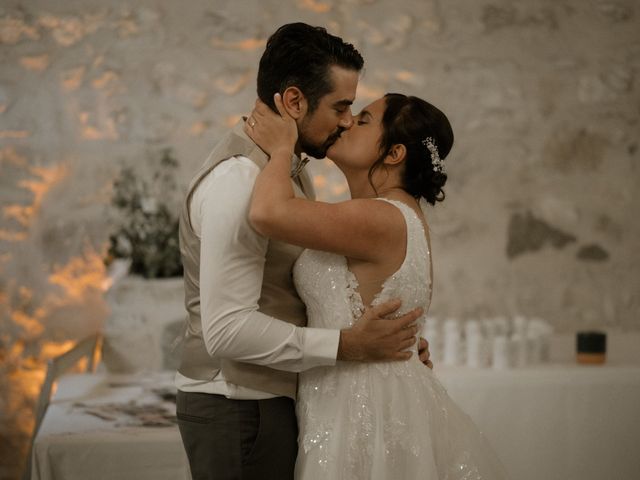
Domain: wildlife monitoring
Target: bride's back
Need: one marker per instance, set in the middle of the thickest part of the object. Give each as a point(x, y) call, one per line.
point(371, 276)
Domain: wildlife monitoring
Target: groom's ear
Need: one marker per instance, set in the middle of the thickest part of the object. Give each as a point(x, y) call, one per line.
point(396, 154)
point(295, 102)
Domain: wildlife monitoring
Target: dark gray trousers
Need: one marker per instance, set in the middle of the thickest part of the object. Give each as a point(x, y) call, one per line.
point(238, 439)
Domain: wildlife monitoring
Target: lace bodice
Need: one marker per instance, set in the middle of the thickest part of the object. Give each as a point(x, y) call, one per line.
point(381, 420)
point(330, 290)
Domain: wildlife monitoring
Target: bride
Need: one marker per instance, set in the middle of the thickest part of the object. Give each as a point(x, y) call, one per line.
point(369, 420)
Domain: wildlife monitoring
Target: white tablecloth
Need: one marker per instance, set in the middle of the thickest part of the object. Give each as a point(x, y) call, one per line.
point(75, 444)
point(556, 422)
point(552, 422)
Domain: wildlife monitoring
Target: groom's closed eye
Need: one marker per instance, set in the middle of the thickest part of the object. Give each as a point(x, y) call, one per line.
point(342, 106)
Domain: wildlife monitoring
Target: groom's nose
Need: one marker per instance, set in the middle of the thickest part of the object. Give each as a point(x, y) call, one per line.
point(346, 121)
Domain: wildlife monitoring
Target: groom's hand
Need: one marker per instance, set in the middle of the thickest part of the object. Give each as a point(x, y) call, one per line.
point(376, 338)
point(425, 354)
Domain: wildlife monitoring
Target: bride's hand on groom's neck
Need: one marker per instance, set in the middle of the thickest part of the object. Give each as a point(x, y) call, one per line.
point(275, 133)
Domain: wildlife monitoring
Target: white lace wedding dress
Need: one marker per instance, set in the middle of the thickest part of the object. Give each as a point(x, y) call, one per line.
point(380, 421)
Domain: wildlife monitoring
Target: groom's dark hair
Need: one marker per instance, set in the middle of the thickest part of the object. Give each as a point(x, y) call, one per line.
point(300, 55)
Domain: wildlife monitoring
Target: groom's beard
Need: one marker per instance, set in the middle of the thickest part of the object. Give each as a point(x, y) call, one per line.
point(320, 151)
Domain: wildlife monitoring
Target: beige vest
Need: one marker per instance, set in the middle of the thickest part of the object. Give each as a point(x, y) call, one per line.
point(278, 297)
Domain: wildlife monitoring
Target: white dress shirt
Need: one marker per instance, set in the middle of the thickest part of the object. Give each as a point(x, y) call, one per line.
point(232, 256)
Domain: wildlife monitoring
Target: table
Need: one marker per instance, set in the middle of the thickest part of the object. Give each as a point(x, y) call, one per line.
point(101, 427)
point(551, 422)
point(556, 422)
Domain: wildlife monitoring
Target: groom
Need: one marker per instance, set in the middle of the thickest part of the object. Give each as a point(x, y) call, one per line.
point(246, 336)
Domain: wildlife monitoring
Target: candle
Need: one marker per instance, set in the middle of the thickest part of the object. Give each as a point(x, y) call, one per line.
point(591, 347)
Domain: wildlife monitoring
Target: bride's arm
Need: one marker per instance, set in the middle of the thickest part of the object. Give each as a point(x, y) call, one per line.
point(363, 228)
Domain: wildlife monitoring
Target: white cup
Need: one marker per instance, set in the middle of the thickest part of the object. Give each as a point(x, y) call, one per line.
point(500, 359)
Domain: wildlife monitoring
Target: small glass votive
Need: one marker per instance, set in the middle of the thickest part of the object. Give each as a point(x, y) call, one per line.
point(591, 347)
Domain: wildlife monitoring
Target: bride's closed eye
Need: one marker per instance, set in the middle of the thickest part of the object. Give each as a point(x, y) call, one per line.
point(363, 117)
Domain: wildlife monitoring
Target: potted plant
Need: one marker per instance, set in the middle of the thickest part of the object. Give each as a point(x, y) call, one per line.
point(147, 312)
point(146, 233)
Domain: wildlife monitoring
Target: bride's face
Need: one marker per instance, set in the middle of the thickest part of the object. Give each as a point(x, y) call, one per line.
point(359, 147)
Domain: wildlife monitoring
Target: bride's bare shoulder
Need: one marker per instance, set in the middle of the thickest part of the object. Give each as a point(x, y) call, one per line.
point(379, 211)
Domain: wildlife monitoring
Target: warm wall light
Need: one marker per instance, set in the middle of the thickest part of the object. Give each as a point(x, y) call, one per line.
point(72, 78)
point(14, 133)
point(246, 45)
point(13, 30)
point(67, 31)
point(36, 63)
point(91, 132)
point(198, 128)
point(45, 179)
point(30, 324)
point(232, 84)
point(369, 92)
point(231, 120)
point(314, 6)
point(80, 274)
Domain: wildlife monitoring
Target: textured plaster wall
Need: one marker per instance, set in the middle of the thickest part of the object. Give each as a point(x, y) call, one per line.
point(540, 215)
point(544, 96)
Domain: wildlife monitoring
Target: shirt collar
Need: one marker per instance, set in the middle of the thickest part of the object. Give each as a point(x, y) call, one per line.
point(297, 164)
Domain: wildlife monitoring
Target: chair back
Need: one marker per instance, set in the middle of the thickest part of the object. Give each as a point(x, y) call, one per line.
point(86, 348)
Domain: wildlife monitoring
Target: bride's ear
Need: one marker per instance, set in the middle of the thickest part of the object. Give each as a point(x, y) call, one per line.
point(295, 103)
point(396, 155)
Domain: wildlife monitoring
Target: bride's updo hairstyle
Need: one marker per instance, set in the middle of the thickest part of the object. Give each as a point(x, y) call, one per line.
point(426, 134)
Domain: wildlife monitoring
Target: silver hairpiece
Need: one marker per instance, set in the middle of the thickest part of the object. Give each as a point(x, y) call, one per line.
point(436, 161)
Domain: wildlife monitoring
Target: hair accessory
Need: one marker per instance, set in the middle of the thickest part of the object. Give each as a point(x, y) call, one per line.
point(436, 161)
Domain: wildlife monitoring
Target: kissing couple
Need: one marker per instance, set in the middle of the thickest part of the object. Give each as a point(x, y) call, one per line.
point(301, 357)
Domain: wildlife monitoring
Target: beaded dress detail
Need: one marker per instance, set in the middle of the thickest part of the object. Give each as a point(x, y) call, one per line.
point(378, 421)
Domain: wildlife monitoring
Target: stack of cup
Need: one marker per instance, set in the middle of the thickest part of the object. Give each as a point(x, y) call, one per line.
point(431, 332)
point(519, 343)
point(501, 326)
point(489, 327)
point(452, 342)
point(539, 331)
point(501, 358)
point(498, 342)
point(474, 341)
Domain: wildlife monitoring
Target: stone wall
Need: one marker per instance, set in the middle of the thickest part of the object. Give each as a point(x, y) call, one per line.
point(543, 95)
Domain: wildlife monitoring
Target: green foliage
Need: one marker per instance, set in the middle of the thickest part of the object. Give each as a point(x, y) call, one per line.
point(147, 210)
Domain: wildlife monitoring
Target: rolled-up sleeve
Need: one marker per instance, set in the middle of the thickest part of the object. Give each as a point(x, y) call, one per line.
point(232, 257)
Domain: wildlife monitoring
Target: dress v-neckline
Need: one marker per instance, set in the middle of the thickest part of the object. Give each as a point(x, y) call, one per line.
point(357, 304)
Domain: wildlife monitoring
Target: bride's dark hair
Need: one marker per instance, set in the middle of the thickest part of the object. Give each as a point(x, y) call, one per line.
point(409, 121)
